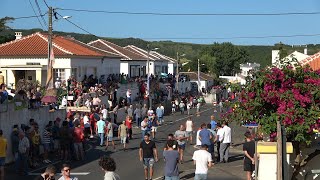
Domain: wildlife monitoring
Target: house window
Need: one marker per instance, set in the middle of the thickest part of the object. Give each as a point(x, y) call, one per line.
point(74, 73)
point(134, 70)
point(165, 69)
point(79, 73)
point(59, 73)
point(158, 70)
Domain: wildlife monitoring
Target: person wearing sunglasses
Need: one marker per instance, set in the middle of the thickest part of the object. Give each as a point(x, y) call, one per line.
point(66, 174)
point(48, 174)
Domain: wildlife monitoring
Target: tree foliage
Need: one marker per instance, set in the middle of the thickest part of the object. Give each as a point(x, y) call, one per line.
point(288, 94)
point(3, 27)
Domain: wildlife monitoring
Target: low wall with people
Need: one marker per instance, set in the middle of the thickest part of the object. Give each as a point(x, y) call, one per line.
point(122, 91)
point(11, 117)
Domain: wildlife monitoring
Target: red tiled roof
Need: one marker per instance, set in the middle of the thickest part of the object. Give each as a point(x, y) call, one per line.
point(37, 45)
point(313, 61)
point(142, 52)
point(194, 76)
point(153, 55)
point(111, 47)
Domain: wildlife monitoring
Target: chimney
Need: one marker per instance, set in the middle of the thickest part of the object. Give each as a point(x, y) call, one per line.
point(18, 35)
point(305, 51)
point(275, 56)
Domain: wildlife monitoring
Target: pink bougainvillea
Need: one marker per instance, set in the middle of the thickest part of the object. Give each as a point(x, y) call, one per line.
point(291, 95)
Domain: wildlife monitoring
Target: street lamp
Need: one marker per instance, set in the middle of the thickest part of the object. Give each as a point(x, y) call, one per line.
point(199, 87)
point(148, 80)
point(177, 76)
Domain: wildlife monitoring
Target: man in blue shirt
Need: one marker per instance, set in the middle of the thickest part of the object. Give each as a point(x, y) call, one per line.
point(205, 137)
point(101, 125)
point(213, 123)
point(160, 112)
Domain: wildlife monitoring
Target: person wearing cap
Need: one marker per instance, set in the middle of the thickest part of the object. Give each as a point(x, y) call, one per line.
point(122, 134)
point(181, 106)
point(3, 152)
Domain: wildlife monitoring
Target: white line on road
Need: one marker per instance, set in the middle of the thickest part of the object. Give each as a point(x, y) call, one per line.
point(73, 173)
point(44, 167)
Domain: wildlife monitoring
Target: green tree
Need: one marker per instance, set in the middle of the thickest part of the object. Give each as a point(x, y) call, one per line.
point(3, 27)
point(4, 21)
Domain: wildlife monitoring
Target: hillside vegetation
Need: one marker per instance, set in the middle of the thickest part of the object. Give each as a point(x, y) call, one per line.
point(193, 52)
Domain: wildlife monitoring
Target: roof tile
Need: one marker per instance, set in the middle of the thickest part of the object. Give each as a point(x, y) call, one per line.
point(37, 45)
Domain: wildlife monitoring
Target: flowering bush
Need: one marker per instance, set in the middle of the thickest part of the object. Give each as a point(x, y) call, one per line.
point(289, 94)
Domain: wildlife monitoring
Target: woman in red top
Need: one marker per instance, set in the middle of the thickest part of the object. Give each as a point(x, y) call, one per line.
point(129, 126)
point(92, 126)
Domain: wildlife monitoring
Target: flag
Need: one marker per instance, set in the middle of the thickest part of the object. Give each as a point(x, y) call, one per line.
point(49, 83)
point(52, 58)
point(148, 85)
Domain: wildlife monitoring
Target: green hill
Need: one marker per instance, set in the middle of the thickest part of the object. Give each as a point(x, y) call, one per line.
point(258, 54)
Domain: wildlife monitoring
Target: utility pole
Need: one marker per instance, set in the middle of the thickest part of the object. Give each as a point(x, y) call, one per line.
point(148, 76)
point(279, 151)
point(49, 83)
point(199, 85)
point(177, 75)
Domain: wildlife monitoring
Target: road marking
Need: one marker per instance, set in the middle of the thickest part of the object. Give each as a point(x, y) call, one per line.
point(73, 173)
point(44, 166)
point(192, 115)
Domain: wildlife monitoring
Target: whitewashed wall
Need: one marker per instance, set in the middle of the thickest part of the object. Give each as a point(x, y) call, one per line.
point(42, 116)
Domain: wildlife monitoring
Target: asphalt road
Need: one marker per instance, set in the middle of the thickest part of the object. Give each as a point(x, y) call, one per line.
point(130, 168)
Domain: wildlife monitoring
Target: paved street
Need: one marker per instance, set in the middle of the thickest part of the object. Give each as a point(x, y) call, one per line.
point(129, 166)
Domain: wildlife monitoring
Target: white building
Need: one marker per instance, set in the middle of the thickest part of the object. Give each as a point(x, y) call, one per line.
point(247, 67)
point(245, 71)
point(205, 80)
point(27, 58)
point(295, 56)
point(131, 63)
point(159, 63)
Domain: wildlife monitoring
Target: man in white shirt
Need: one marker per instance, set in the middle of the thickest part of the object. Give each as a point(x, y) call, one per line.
point(86, 123)
point(225, 142)
point(104, 112)
point(203, 160)
point(144, 126)
point(219, 139)
point(128, 96)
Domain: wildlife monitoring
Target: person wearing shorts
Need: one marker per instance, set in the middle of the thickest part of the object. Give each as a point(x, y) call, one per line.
point(155, 123)
point(189, 129)
point(181, 137)
point(122, 134)
point(249, 151)
point(148, 155)
point(109, 134)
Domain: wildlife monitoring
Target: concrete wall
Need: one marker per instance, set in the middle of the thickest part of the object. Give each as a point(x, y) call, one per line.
point(42, 116)
point(123, 90)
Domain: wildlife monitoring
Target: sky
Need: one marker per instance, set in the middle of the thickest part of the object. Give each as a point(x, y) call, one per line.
point(192, 29)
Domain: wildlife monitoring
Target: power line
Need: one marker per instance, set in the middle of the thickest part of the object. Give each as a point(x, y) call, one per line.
point(36, 14)
point(39, 9)
point(46, 3)
point(192, 14)
point(28, 17)
point(77, 25)
point(236, 37)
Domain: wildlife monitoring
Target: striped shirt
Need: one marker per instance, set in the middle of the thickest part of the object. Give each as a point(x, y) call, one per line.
point(46, 137)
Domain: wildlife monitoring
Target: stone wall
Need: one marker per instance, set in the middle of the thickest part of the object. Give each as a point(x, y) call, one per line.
point(42, 116)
